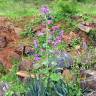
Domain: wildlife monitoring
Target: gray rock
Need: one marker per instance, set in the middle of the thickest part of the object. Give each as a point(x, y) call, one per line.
point(91, 94)
point(89, 83)
point(4, 87)
point(61, 60)
point(88, 73)
point(88, 58)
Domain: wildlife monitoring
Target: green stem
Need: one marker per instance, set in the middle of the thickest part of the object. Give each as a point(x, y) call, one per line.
point(47, 35)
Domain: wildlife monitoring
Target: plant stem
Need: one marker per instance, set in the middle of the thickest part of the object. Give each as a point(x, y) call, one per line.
point(47, 36)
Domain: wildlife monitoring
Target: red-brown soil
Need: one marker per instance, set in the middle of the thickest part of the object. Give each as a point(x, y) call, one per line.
point(8, 31)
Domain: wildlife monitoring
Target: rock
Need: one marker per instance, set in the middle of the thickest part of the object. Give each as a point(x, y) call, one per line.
point(7, 30)
point(25, 74)
point(29, 50)
point(4, 87)
point(89, 83)
point(87, 73)
point(26, 65)
point(25, 50)
point(62, 60)
point(65, 60)
point(3, 42)
point(7, 55)
point(88, 79)
point(20, 49)
point(90, 72)
point(91, 94)
point(88, 57)
point(8, 39)
point(84, 44)
point(84, 28)
point(17, 30)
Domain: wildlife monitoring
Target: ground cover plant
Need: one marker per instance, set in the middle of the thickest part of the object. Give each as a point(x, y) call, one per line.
point(47, 48)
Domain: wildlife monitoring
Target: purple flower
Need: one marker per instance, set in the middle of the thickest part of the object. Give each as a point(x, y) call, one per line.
point(55, 28)
point(39, 33)
point(57, 41)
point(49, 22)
point(36, 44)
point(45, 10)
point(52, 32)
point(49, 41)
point(37, 57)
point(61, 33)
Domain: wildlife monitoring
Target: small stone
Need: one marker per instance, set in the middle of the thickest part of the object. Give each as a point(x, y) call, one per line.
point(4, 87)
point(91, 94)
point(3, 42)
point(7, 56)
point(65, 61)
point(26, 65)
point(89, 83)
point(87, 73)
point(29, 50)
point(76, 17)
point(84, 28)
point(20, 49)
point(25, 50)
point(62, 60)
point(7, 30)
point(25, 74)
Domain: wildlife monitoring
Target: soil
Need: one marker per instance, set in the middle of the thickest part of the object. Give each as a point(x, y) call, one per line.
point(8, 41)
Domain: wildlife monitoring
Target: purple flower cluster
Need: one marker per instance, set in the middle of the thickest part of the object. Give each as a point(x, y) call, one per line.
point(45, 10)
point(59, 38)
point(36, 44)
point(37, 57)
point(57, 41)
point(40, 33)
point(61, 33)
point(50, 22)
point(55, 28)
point(54, 31)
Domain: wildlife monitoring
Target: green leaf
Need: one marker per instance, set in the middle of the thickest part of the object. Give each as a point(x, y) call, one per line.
point(55, 77)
